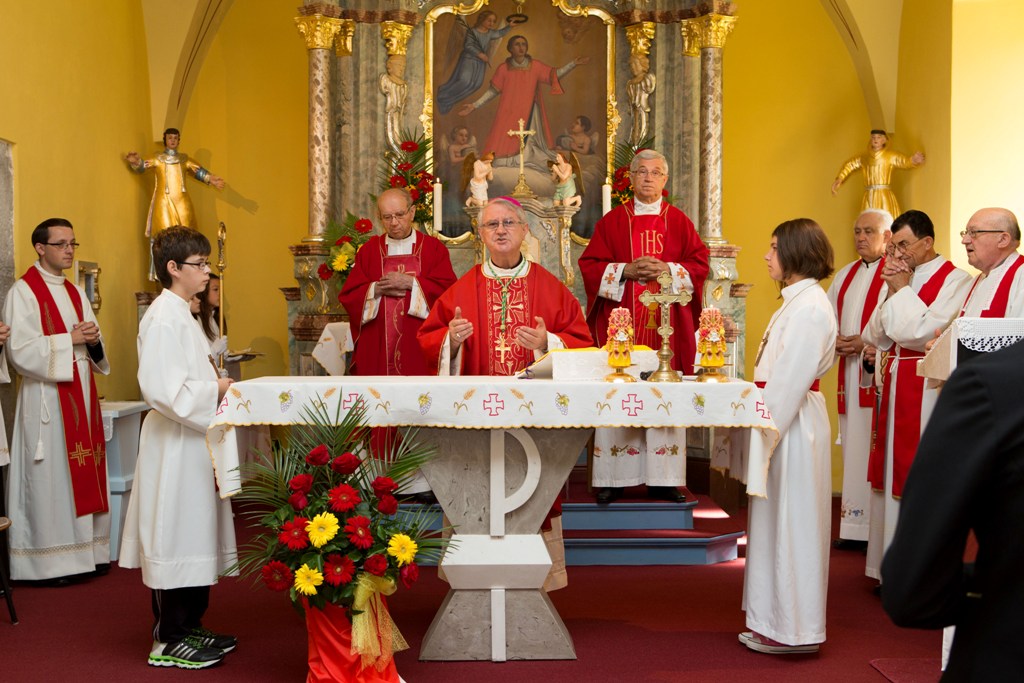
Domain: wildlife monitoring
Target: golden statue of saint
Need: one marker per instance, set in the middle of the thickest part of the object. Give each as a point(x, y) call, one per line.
point(877, 164)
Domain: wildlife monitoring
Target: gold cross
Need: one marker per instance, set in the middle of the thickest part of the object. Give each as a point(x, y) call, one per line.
point(502, 346)
point(79, 454)
point(665, 299)
point(522, 189)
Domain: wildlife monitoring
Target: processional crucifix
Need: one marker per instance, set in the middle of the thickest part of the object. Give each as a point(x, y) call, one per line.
point(664, 299)
point(522, 189)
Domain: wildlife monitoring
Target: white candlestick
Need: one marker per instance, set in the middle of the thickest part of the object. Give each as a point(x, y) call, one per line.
point(606, 198)
point(437, 207)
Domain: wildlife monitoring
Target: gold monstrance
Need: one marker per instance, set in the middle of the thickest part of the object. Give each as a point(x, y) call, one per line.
point(521, 188)
point(664, 299)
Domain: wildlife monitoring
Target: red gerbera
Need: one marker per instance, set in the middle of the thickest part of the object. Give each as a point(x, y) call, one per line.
point(388, 504)
point(425, 186)
point(324, 271)
point(376, 565)
point(343, 498)
point(409, 574)
point(404, 166)
point(414, 193)
point(298, 500)
point(364, 225)
point(301, 482)
point(621, 172)
point(344, 239)
point(346, 463)
point(664, 193)
point(293, 534)
point(319, 456)
point(621, 185)
point(397, 181)
point(358, 531)
point(277, 576)
point(382, 485)
point(409, 146)
point(338, 569)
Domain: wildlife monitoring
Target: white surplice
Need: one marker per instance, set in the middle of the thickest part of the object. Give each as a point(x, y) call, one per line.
point(786, 578)
point(980, 297)
point(855, 425)
point(47, 539)
point(177, 529)
point(905, 320)
point(5, 377)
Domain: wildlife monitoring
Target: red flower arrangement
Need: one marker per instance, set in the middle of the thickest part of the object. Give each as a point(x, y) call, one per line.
point(408, 168)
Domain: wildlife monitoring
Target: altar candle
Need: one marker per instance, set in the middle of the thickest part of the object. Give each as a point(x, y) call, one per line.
point(437, 207)
point(606, 198)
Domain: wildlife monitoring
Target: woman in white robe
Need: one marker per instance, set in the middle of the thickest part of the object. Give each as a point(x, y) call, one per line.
point(786, 577)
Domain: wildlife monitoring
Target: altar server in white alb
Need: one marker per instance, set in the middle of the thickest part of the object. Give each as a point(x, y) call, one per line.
point(57, 485)
point(178, 530)
point(925, 292)
point(991, 240)
point(855, 293)
point(786, 577)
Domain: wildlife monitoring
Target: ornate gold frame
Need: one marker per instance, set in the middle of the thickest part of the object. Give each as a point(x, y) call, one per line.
point(574, 10)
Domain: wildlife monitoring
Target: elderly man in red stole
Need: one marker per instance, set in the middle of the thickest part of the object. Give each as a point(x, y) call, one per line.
point(500, 317)
point(631, 246)
point(395, 280)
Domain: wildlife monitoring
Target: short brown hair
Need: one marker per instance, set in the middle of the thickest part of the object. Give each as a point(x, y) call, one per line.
point(803, 249)
point(176, 243)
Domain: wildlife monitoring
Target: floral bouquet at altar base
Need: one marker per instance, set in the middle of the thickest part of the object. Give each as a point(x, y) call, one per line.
point(408, 168)
point(344, 240)
point(333, 539)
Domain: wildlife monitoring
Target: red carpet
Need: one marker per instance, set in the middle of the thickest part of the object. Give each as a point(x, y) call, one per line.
point(909, 670)
point(660, 624)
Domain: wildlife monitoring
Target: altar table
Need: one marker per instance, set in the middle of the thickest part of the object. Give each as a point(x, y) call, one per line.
point(504, 448)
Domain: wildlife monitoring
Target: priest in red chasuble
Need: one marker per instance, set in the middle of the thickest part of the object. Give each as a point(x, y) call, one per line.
point(631, 246)
point(395, 280)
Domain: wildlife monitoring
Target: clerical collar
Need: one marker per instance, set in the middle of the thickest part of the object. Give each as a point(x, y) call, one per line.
point(49, 277)
point(517, 270)
point(405, 241)
point(642, 209)
point(868, 264)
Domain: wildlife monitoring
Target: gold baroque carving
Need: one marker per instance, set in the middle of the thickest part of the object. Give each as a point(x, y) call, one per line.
point(396, 37)
point(691, 37)
point(714, 29)
point(343, 41)
point(640, 37)
point(318, 30)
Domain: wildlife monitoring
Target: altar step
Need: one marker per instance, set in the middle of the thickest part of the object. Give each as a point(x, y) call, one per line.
point(635, 530)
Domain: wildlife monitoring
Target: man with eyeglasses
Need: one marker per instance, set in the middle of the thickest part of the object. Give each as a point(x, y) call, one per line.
point(499, 318)
point(856, 291)
point(991, 240)
point(395, 280)
point(631, 246)
point(58, 480)
point(924, 293)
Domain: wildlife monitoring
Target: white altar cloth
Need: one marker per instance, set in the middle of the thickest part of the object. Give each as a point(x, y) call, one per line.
point(335, 341)
point(745, 434)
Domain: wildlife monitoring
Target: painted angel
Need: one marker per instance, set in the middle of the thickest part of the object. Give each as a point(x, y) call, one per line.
point(475, 174)
point(562, 173)
point(474, 56)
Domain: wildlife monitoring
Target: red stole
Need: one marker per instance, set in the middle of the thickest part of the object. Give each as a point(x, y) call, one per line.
point(907, 418)
point(866, 395)
point(1001, 297)
point(84, 443)
point(394, 309)
point(504, 355)
point(647, 236)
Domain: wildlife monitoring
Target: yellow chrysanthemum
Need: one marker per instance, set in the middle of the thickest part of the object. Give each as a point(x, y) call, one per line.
point(402, 548)
point(340, 263)
point(307, 579)
point(322, 529)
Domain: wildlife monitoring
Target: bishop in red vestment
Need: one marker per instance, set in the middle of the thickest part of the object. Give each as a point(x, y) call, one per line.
point(631, 246)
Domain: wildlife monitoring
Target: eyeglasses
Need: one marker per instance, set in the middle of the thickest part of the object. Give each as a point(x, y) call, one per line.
point(900, 247)
point(63, 246)
point(974, 233)
point(201, 265)
point(656, 175)
point(388, 217)
point(507, 223)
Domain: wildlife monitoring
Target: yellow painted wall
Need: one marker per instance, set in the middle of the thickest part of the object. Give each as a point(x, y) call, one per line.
point(988, 140)
point(793, 113)
point(73, 90)
point(248, 123)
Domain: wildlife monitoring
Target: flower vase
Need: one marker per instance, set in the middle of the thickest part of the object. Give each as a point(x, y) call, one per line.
point(330, 650)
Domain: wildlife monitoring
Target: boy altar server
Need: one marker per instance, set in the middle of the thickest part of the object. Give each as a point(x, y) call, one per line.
point(178, 530)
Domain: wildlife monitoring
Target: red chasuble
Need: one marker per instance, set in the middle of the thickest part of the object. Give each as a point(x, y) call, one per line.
point(518, 90)
point(538, 293)
point(387, 344)
point(620, 237)
point(83, 430)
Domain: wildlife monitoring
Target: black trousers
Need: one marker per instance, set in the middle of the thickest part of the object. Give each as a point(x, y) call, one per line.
point(177, 611)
